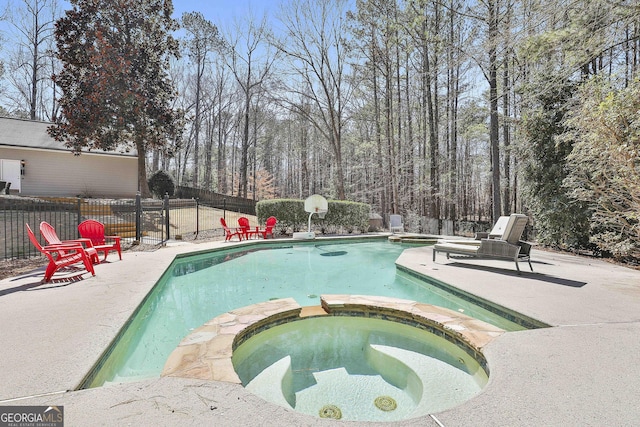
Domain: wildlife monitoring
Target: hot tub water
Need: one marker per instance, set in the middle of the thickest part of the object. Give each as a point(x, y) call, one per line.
point(357, 369)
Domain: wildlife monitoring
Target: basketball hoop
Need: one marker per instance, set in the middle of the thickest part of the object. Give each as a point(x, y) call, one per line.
point(315, 204)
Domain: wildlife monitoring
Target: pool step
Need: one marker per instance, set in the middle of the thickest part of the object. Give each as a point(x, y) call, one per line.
point(266, 383)
point(436, 378)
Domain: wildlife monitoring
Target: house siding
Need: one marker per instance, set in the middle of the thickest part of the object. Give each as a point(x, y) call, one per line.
point(59, 173)
point(52, 170)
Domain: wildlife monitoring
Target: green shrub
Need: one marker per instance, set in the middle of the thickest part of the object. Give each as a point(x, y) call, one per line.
point(161, 183)
point(350, 216)
point(289, 212)
point(604, 166)
point(560, 220)
point(342, 215)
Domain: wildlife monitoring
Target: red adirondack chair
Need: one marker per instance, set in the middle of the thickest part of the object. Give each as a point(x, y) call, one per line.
point(228, 233)
point(61, 256)
point(268, 229)
point(94, 230)
point(51, 237)
point(245, 228)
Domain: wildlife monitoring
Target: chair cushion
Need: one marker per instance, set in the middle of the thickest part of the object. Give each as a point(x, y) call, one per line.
point(457, 248)
point(498, 230)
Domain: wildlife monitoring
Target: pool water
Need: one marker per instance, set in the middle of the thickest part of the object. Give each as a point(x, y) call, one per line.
point(353, 368)
point(199, 287)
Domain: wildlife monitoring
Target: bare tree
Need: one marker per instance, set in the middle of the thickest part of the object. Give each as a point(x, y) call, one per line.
point(250, 60)
point(3, 17)
point(202, 39)
point(492, 20)
point(222, 117)
point(490, 17)
point(316, 49)
point(33, 24)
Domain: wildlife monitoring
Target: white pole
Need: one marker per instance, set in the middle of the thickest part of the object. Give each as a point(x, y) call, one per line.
point(309, 230)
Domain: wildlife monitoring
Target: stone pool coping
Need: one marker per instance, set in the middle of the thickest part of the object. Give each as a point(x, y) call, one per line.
point(206, 353)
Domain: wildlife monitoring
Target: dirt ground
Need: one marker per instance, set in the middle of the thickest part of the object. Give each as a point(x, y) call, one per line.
point(15, 267)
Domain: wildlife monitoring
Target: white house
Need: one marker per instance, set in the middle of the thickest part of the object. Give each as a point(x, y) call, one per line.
point(37, 165)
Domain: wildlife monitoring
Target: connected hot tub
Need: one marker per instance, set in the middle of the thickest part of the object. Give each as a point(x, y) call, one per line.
point(357, 368)
point(353, 358)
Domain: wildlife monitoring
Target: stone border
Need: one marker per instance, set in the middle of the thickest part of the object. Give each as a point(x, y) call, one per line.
point(206, 352)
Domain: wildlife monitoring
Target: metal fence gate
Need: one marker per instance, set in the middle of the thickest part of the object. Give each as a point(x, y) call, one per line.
point(144, 220)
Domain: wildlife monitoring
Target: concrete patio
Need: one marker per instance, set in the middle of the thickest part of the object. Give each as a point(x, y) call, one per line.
point(584, 370)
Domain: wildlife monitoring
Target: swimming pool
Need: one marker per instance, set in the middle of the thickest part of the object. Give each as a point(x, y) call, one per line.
point(199, 287)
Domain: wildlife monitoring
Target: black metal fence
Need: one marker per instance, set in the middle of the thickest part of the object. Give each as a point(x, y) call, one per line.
point(141, 220)
point(217, 200)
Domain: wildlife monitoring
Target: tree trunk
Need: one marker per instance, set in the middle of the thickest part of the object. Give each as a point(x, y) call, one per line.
point(493, 105)
point(410, 184)
point(304, 155)
point(244, 149)
point(143, 185)
point(382, 171)
point(389, 136)
point(208, 152)
point(34, 73)
point(221, 166)
point(506, 135)
point(453, 95)
point(196, 142)
point(433, 204)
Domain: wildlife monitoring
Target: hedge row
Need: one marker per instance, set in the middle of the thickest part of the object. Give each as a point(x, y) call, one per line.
point(341, 216)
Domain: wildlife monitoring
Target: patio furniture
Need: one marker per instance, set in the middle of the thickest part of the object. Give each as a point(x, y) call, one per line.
point(51, 237)
point(496, 232)
point(61, 256)
point(509, 247)
point(395, 223)
point(245, 228)
point(268, 229)
point(228, 233)
point(94, 231)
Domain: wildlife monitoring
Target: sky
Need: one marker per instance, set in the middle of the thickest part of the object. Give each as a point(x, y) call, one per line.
point(219, 12)
point(223, 12)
